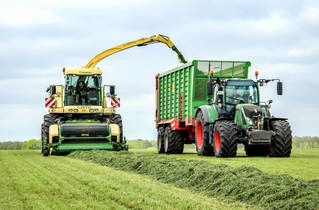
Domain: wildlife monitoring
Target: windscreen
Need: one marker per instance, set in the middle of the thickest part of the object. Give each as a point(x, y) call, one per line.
point(82, 90)
point(224, 69)
point(241, 91)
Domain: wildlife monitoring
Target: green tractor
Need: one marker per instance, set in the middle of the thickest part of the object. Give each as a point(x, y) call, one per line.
point(221, 109)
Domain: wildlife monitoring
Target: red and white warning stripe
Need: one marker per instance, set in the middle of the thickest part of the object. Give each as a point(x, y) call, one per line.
point(50, 102)
point(115, 102)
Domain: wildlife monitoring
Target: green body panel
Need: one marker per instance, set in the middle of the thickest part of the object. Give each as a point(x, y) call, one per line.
point(212, 111)
point(183, 89)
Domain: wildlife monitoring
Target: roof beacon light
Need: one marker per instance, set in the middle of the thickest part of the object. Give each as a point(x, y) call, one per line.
point(211, 72)
point(256, 74)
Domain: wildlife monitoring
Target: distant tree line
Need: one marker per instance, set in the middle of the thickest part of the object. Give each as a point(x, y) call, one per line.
point(32, 144)
point(35, 144)
point(305, 142)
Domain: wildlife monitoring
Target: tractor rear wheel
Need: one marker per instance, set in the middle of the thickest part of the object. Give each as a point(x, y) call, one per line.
point(160, 140)
point(202, 136)
point(173, 141)
point(225, 139)
point(257, 150)
point(281, 142)
point(117, 119)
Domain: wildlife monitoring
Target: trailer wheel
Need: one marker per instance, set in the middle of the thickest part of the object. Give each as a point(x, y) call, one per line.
point(160, 140)
point(202, 137)
point(225, 139)
point(173, 141)
point(281, 143)
point(117, 119)
point(257, 150)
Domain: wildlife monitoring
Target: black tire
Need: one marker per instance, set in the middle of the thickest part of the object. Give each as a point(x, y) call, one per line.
point(160, 140)
point(46, 152)
point(42, 138)
point(48, 119)
point(225, 139)
point(117, 119)
point(202, 136)
point(257, 150)
point(173, 141)
point(281, 142)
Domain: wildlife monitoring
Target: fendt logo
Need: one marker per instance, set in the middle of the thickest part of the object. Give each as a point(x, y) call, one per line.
point(115, 102)
point(50, 102)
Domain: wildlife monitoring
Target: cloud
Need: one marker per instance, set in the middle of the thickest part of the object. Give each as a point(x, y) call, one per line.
point(37, 39)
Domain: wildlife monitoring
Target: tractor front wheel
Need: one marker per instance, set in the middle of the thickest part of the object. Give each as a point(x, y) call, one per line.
point(281, 142)
point(225, 139)
point(202, 136)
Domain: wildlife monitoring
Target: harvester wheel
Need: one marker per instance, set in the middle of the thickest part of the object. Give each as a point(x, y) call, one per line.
point(257, 150)
point(45, 152)
point(281, 143)
point(202, 137)
point(42, 138)
point(160, 140)
point(225, 139)
point(173, 141)
point(117, 119)
point(48, 120)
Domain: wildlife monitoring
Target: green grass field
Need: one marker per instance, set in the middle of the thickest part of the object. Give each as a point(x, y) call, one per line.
point(303, 163)
point(30, 181)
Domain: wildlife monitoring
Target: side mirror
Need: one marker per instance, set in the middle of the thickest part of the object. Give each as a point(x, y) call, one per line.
point(53, 90)
point(279, 88)
point(209, 88)
point(112, 90)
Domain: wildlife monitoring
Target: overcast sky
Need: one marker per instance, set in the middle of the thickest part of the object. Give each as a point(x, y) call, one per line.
point(38, 38)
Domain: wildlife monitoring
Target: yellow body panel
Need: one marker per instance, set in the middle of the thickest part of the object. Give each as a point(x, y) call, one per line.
point(83, 71)
point(53, 131)
point(59, 95)
point(115, 131)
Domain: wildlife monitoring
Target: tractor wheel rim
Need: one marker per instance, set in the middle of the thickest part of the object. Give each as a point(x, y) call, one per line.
point(217, 140)
point(199, 134)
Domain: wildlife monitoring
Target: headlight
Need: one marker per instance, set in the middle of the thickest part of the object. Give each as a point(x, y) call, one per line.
point(70, 110)
point(91, 110)
point(96, 110)
point(76, 110)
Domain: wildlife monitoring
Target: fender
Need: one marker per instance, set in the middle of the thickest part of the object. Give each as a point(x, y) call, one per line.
point(210, 113)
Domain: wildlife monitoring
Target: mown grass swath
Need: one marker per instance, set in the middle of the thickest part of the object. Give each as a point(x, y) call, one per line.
point(30, 181)
point(245, 184)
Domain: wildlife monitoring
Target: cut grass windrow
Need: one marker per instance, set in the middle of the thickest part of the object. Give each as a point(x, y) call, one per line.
point(245, 184)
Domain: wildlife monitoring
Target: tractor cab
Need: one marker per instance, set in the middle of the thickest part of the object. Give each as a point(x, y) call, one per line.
point(240, 92)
